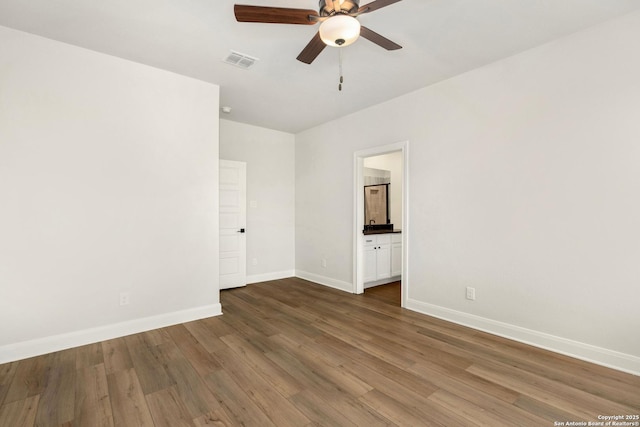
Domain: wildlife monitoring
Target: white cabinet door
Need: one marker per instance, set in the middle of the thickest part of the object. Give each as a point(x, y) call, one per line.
point(369, 263)
point(383, 261)
point(233, 218)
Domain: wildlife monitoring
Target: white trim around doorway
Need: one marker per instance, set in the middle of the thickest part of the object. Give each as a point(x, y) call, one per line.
point(358, 219)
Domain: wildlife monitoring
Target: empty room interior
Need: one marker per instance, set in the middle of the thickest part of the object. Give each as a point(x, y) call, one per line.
point(314, 213)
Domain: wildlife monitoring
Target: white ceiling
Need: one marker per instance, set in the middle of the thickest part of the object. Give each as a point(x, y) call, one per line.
point(440, 39)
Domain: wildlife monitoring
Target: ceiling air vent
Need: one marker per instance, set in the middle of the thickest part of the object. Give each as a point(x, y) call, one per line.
point(240, 60)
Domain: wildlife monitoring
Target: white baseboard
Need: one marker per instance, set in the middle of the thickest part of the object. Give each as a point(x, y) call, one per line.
point(36, 347)
point(265, 277)
point(587, 352)
point(326, 281)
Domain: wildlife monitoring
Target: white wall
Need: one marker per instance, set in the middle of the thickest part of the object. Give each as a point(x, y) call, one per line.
point(524, 184)
point(270, 157)
point(108, 184)
point(391, 162)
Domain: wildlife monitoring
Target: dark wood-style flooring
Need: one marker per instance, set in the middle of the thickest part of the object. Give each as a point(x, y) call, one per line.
point(293, 353)
point(389, 293)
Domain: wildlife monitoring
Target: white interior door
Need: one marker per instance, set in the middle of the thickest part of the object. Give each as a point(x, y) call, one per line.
point(233, 220)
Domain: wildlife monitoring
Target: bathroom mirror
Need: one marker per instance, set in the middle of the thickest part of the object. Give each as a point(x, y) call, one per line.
point(376, 205)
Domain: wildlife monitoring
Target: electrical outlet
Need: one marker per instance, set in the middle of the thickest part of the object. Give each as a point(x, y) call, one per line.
point(323, 263)
point(254, 261)
point(471, 293)
point(124, 298)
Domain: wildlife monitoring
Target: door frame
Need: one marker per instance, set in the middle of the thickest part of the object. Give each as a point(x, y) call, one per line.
point(358, 218)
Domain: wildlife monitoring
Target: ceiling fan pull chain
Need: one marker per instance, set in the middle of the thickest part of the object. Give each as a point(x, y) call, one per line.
point(340, 69)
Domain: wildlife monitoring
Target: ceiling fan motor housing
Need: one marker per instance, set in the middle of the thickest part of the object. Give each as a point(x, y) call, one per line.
point(346, 6)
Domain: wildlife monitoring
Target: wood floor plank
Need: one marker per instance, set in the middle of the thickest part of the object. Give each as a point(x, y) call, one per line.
point(280, 379)
point(293, 325)
point(29, 378)
point(57, 400)
point(396, 390)
point(235, 401)
point(116, 355)
point(279, 410)
point(379, 373)
point(316, 409)
point(92, 405)
point(461, 382)
point(334, 375)
point(251, 315)
point(260, 343)
point(148, 363)
point(20, 413)
point(388, 294)
point(168, 410)
point(216, 326)
point(239, 326)
point(432, 413)
point(155, 337)
point(337, 389)
point(395, 411)
point(544, 410)
point(198, 356)
point(359, 413)
point(310, 378)
point(89, 355)
point(290, 305)
point(331, 358)
point(7, 372)
point(127, 400)
point(215, 418)
point(396, 355)
point(471, 413)
point(202, 334)
point(190, 386)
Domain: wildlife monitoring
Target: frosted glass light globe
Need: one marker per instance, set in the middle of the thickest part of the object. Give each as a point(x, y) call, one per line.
point(340, 30)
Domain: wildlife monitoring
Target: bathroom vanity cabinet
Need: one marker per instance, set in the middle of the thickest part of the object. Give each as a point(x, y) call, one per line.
point(382, 258)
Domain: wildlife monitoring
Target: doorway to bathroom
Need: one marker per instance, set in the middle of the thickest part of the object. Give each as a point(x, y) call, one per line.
point(381, 226)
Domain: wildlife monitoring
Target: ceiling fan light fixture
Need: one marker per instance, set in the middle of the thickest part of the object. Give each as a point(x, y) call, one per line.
point(340, 30)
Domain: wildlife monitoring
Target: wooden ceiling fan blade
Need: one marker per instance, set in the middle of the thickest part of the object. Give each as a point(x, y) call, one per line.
point(312, 50)
point(376, 38)
point(375, 5)
point(274, 15)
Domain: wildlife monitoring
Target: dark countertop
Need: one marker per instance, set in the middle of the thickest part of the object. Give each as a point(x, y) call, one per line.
point(381, 232)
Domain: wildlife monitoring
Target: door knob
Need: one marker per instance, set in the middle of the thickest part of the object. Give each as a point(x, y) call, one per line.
point(241, 230)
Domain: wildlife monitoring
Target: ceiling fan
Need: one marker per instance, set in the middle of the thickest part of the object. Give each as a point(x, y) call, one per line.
point(339, 26)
